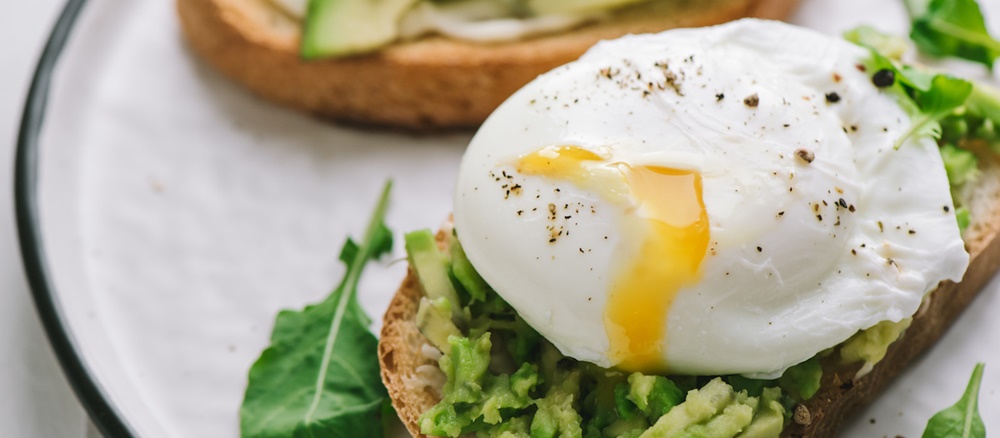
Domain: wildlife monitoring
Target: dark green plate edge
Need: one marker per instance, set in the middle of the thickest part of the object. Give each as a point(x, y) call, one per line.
point(102, 412)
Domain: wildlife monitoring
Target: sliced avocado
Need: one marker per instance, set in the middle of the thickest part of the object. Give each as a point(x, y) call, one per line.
point(541, 7)
point(431, 266)
point(466, 274)
point(335, 28)
point(434, 321)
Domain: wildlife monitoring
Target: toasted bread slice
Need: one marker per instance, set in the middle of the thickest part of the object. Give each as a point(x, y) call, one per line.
point(430, 83)
point(405, 362)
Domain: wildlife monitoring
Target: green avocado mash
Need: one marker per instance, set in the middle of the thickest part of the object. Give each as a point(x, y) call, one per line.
point(869, 346)
point(505, 380)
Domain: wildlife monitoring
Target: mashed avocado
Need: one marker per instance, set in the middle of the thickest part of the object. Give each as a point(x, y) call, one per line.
point(505, 380)
point(869, 346)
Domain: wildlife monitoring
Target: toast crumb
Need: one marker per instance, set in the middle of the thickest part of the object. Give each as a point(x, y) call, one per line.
point(802, 416)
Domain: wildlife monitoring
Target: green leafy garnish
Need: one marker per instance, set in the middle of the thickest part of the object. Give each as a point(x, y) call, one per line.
point(803, 380)
point(961, 420)
point(928, 97)
point(890, 46)
point(944, 95)
point(952, 28)
point(320, 376)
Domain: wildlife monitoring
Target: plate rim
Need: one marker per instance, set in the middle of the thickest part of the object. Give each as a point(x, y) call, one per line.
point(102, 412)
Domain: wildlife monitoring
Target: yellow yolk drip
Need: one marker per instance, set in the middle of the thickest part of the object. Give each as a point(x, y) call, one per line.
point(668, 207)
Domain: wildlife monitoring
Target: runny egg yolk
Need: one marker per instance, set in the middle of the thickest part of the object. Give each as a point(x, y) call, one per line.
point(665, 210)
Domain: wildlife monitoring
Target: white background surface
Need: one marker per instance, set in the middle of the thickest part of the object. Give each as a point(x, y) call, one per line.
point(35, 400)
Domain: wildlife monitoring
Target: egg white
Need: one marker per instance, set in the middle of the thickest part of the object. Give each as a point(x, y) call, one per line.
point(791, 269)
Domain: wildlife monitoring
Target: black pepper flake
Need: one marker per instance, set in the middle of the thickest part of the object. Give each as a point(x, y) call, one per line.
point(567, 217)
point(752, 100)
point(884, 78)
point(880, 227)
point(581, 250)
point(759, 249)
point(819, 217)
point(841, 202)
point(552, 240)
point(913, 231)
point(854, 252)
point(781, 213)
point(947, 208)
point(850, 208)
point(520, 212)
point(805, 155)
point(719, 97)
point(832, 97)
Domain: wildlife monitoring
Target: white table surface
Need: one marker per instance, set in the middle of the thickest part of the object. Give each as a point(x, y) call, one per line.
point(35, 398)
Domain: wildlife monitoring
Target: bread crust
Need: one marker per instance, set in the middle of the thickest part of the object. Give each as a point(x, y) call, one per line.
point(431, 83)
point(840, 395)
point(400, 352)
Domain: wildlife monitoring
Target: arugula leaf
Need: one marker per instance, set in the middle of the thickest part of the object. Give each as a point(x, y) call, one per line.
point(945, 94)
point(952, 28)
point(927, 96)
point(320, 376)
point(985, 102)
point(961, 420)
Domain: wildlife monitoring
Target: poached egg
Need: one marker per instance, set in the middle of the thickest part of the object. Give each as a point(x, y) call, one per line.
point(723, 200)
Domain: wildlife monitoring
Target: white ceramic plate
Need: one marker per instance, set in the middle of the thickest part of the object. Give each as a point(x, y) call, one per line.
point(176, 214)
